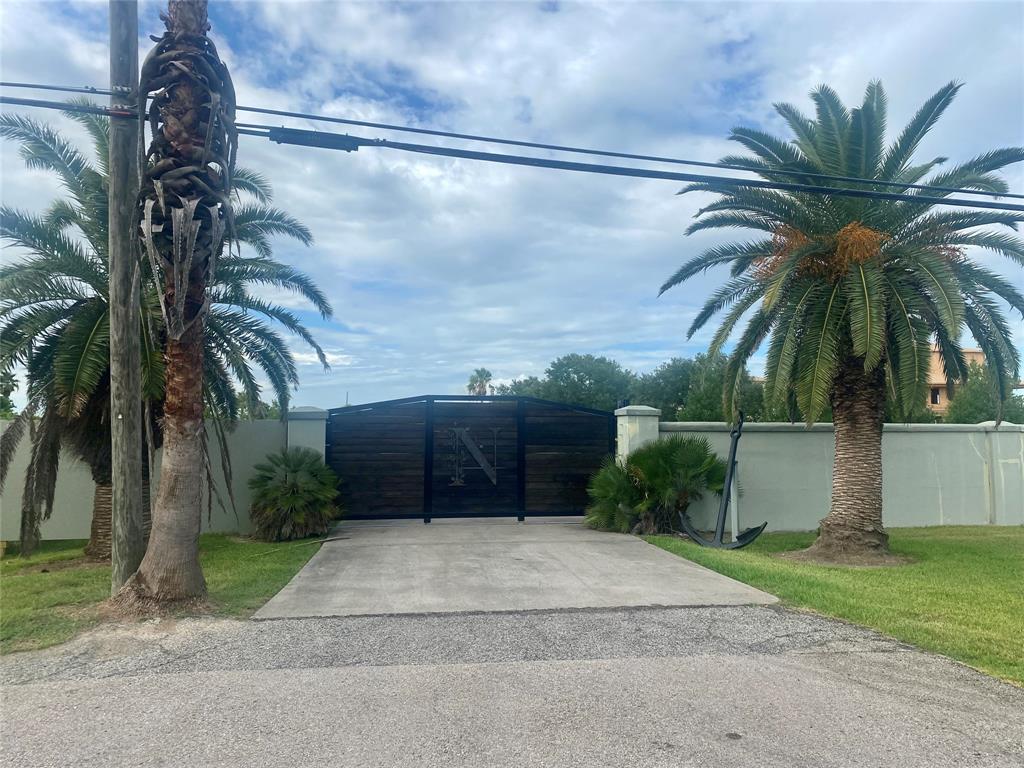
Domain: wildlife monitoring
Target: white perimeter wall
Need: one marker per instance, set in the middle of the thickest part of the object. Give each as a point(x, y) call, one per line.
point(933, 474)
point(249, 444)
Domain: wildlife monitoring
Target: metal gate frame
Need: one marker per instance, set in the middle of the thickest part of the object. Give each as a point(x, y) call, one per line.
point(521, 401)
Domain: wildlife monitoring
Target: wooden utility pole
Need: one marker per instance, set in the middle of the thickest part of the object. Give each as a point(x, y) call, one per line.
point(129, 526)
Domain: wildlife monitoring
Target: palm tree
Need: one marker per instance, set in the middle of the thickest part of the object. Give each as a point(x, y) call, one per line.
point(185, 211)
point(54, 310)
point(849, 291)
point(479, 382)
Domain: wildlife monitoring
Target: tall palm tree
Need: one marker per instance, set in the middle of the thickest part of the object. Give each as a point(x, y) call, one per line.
point(479, 381)
point(54, 315)
point(185, 211)
point(849, 291)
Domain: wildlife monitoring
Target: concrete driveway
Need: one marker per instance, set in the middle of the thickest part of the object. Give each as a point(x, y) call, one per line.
point(397, 567)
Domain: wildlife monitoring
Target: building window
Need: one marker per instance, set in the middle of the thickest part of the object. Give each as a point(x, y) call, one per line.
point(935, 395)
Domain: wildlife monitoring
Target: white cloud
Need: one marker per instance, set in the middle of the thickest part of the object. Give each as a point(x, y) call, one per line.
point(437, 266)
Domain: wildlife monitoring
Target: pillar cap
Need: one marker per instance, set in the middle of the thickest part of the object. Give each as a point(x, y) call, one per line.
point(307, 413)
point(638, 410)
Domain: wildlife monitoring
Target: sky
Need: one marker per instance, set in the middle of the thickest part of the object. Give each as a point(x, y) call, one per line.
point(436, 266)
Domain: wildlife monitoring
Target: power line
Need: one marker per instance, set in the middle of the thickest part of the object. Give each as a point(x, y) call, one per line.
point(65, 88)
point(553, 147)
point(63, 106)
point(349, 143)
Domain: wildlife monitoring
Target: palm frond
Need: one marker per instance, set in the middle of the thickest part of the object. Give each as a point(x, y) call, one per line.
point(908, 348)
point(975, 173)
point(57, 253)
point(775, 153)
point(818, 358)
point(282, 316)
point(805, 131)
point(990, 330)
point(12, 436)
point(97, 126)
point(782, 352)
point(83, 357)
point(265, 221)
point(42, 148)
point(863, 288)
point(237, 271)
point(720, 254)
point(833, 127)
point(938, 282)
point(733, 290)
point(1005, 244)
point(725, 328)
point(750, 340)
point(253, 183)
point(973, 277)
point(739, 220)
point(902, 150)
point(954, 363)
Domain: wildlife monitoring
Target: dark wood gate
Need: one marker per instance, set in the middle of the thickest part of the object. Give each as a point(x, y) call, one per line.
point(466, 456)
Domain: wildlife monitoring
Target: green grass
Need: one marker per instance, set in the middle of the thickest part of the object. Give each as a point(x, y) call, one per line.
point(962, 596)
point(39, 609)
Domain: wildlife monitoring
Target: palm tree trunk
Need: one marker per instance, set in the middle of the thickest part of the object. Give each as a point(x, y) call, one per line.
point(183, 235)
point(101, 531)
point(854, 522)
point(170, 570)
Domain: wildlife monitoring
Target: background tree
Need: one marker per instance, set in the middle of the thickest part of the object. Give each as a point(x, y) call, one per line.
point(703, 401)
point(529, 386)
point(479, 382)
point(665, 388)
point(849, 291)
point(593, 382)
point(917, 414)
point(7, 386)
point(54, 309)
point(978, 399)
point(250, 411)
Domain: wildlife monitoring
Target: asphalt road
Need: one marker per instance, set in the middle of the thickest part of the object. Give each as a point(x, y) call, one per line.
point(701, 686)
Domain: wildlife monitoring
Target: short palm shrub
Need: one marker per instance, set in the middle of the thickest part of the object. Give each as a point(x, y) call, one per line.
point(294, 495)
point(654, 486)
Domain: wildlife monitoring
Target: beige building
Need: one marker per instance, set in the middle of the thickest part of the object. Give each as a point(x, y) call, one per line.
point(938, 392)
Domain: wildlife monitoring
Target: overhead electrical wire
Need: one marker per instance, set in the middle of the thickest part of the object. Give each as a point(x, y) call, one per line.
point(349, 143)
point(552, 147)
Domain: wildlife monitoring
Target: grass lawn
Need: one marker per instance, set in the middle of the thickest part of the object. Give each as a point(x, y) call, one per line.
point(54, 594)
point(963, 596)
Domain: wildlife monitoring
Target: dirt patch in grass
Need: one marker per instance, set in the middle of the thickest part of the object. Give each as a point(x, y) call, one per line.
point(130, 606)
point(847, 560)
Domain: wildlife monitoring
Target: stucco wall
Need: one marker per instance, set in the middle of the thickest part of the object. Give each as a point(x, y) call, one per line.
point(933, 474)
point(249, 443)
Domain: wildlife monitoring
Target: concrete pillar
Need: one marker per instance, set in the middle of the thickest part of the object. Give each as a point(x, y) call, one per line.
point(307, 428)
point(636, 425)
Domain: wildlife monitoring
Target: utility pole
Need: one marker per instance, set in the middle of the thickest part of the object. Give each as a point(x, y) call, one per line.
point(129, 517)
